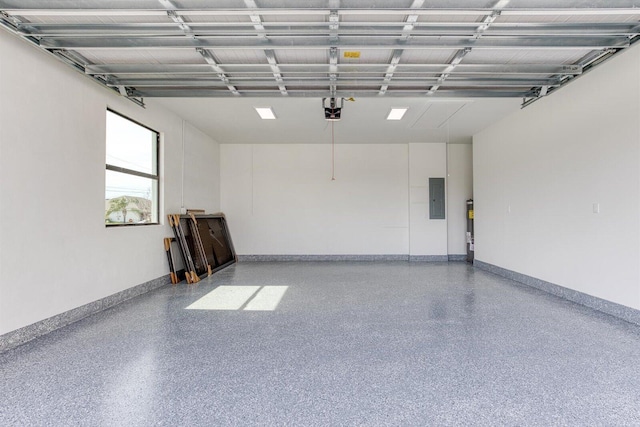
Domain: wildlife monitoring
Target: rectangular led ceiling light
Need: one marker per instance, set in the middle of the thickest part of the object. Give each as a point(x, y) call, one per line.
point(396, 113)
point(266, 113)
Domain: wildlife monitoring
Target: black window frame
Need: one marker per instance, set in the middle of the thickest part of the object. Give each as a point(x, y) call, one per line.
point(132, 172)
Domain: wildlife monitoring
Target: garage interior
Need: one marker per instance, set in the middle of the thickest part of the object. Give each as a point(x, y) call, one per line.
point(351, 302)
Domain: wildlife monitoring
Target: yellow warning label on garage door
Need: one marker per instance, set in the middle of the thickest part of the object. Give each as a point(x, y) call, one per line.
point(352, 54)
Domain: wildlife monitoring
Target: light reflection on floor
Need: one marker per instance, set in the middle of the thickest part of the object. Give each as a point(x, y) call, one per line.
point(249, 298)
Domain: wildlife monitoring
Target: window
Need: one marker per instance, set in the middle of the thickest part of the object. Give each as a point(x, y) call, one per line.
point(131, 192)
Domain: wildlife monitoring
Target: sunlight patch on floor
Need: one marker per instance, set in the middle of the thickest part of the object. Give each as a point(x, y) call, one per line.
point(249, 298)
point(225, 298)
point(267, 299)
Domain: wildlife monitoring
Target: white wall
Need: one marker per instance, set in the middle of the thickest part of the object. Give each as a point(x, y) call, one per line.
point(201, 171)
point(279, 198)
point(459, 190)
point(55, 252)
point(538, 173)
point(427, 236)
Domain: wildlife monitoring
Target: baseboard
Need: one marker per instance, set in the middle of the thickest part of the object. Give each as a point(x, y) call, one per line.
point(276, 258)
point(410, 258)
point(20, 336)
point(428, 258)
point(620, 311)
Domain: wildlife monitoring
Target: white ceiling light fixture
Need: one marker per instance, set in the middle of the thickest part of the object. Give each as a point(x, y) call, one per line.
point(396, 113)
point(266, 113)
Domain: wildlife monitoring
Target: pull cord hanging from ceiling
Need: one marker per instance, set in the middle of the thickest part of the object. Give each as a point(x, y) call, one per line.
point(333, 154)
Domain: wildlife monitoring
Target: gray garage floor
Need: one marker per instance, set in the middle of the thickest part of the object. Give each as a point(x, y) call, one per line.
point(328, 343)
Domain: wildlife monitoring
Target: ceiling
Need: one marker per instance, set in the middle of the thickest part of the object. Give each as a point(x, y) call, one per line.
point(301, 120)
point(458, 66)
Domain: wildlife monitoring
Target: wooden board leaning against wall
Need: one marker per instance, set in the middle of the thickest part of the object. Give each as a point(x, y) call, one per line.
point(204, 244)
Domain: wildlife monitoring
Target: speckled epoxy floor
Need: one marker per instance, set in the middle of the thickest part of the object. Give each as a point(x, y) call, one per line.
point(368, 343)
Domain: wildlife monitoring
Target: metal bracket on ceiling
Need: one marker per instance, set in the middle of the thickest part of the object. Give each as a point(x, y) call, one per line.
point(333, 70)
point(66, 57)
point(528, 101)
point(599, 57)
point(127, 93)
point(10, 19)
point(180, 23)
point(480, 30)
point(138, 101)
point(124, 91)
point(543, 91)
point(334, 23)
point(16, 25)
point(536, 95)
point(209, 59)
